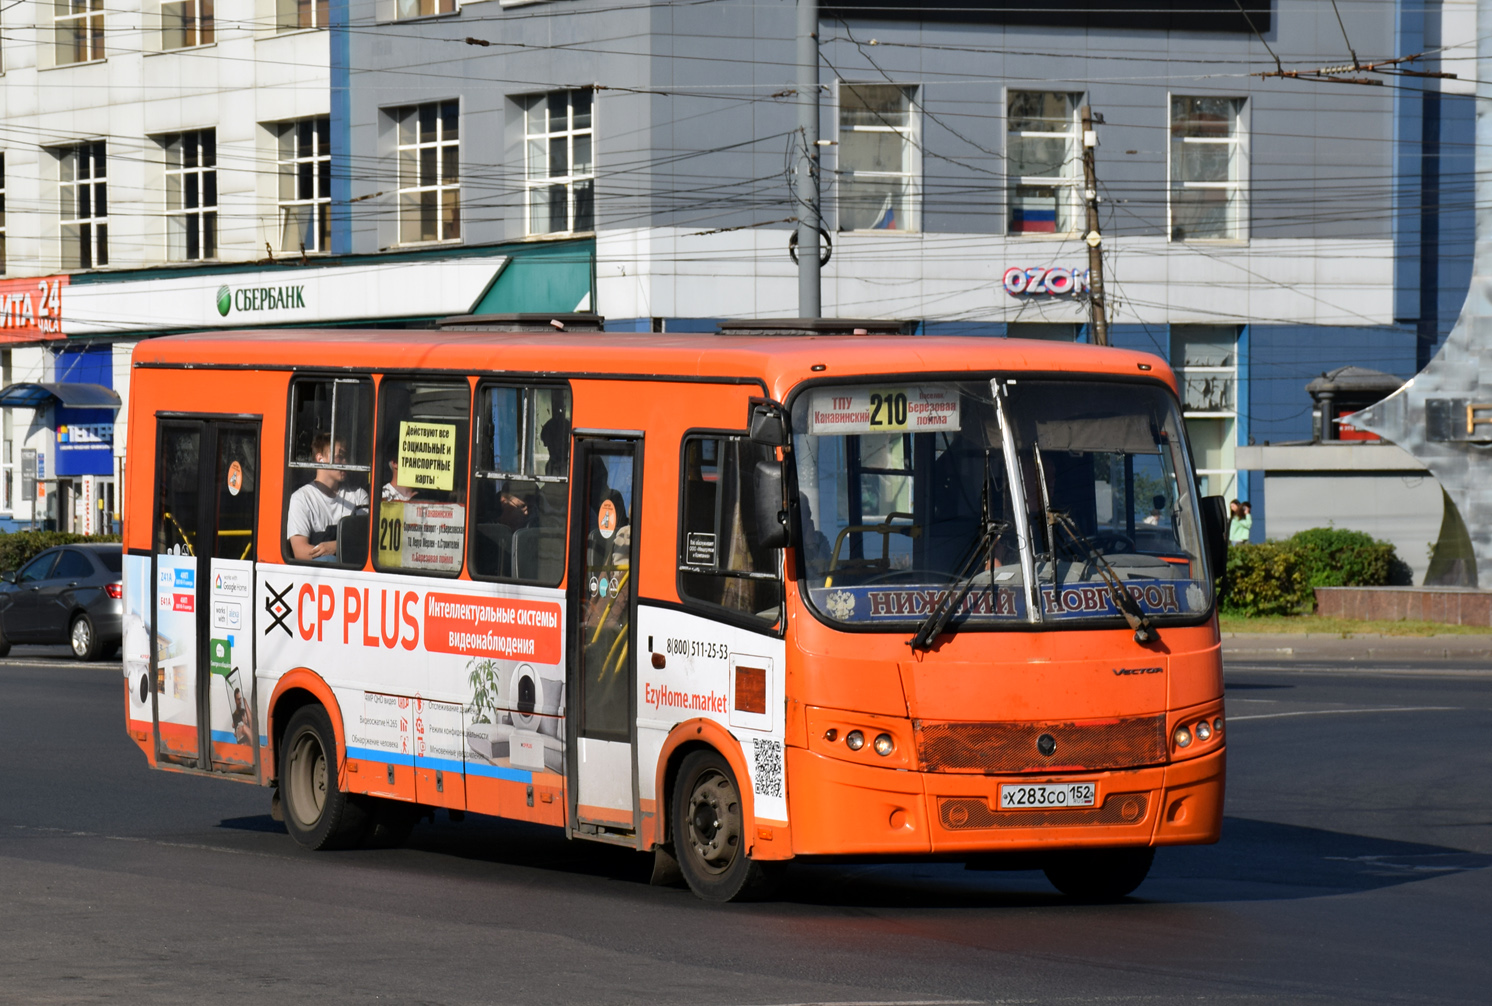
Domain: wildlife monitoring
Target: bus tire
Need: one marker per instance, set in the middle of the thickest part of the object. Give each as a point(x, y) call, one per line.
point(318, 815)
point(1099, 874)
point(709, 834)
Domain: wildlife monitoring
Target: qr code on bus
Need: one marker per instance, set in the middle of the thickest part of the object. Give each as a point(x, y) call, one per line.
point(767, 770)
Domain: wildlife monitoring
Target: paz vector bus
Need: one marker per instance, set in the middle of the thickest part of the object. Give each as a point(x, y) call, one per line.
point(730, 599)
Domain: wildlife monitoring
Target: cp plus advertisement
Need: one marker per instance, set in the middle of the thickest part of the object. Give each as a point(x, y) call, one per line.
point(448, 674)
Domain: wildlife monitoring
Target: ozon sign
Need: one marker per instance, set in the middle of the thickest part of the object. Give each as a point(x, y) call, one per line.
point(1039, 281)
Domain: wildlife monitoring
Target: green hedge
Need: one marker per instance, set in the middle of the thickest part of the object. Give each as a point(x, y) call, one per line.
point(1279, 577)
point(1332, 558)
point(18, 547)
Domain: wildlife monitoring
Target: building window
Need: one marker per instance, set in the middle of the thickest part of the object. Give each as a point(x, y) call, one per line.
point(293, 15)
point(79, 28)
point(1044, 330)
point(191, 195)
point(84, 206)
point(879, 165)
point(424, 8)
point(305, 163)
point(1043, 161)
point(185, 23)
point(560, 168)
point(2, 214)
point(1205, 358)
point(1209, 169)
point(429, 172)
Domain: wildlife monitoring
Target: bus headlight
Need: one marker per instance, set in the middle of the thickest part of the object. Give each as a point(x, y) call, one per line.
point(1204, 731)
point(884, 745)
point(1183, 737)
point(854, 740)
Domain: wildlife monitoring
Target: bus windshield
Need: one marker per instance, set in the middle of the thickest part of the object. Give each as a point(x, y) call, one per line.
point(1037, 507)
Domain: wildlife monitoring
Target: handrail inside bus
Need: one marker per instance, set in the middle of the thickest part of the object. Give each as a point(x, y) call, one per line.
point(186, 539)
point(885, 528)
point(601, 622)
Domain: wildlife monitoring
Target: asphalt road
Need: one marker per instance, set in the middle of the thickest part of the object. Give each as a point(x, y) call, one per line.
point(1353, 868)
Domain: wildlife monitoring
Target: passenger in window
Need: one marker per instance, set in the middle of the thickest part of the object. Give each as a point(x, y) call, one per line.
point(393, 491)
point(555, 436)
point(816, 547)
point(513, 510)
point(317, 506)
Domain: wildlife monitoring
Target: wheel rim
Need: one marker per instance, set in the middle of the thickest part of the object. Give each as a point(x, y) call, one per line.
point(307, 778)
point(714, 821)
point(82, 637)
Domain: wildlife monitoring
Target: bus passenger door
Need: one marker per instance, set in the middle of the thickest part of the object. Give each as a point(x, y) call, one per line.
point(227, 619)
point(602, 651)
point(203, 544)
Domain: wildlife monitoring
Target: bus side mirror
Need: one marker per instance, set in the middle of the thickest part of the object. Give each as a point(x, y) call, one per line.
point(766, 424)
point(1215, 533)
point(771, 529)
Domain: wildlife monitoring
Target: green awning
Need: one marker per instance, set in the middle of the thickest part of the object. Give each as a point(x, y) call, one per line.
point(539, 278)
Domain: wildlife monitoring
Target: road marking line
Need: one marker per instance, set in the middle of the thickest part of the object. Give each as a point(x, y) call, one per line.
point(1338, 712)
point(888, 1002)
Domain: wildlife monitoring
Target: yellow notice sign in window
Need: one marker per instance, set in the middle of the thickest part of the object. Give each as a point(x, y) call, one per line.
point(427, 455)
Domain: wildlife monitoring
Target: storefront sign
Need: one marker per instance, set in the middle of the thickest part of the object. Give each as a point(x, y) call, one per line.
point(1040, 281)
point(31, 309)
point(85, 441)
point(290, 295)
point(28, 474)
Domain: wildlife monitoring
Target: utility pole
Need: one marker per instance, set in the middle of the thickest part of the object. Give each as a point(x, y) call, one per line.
point(807, 185)
point(1098, 318)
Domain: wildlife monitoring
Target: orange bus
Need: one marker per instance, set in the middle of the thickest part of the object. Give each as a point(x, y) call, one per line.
point(729, 599)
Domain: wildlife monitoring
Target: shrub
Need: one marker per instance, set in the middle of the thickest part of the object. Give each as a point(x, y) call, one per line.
point(17, 548)
point(1265, 579)
point(1280, 577)
point(1330, 557)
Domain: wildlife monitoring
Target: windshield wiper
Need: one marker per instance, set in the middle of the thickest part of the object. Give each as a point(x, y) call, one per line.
point(1123, 600)
point(948, 602)
point(937, 619)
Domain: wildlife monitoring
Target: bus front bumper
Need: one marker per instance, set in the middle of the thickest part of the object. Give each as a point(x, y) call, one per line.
point(838, 807)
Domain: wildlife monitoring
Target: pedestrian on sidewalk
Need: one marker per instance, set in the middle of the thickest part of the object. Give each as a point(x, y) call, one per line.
point(1240, 522)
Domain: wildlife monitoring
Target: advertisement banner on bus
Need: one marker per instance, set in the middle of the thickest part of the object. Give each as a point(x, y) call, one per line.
point(445, 675)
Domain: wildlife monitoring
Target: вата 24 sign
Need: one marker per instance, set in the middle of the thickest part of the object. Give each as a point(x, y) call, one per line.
point(1039, 281)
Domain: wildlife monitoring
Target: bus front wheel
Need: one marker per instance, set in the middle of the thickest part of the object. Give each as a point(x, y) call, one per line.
point(318, 815)
point(1099, 874)
point(709, 834)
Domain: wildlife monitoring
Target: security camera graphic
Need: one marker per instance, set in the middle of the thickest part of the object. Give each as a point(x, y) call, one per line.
point(528, 729)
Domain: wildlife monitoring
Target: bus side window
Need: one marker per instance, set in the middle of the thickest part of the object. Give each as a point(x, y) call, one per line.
point(331, 459)
point(717, 566)
point(520, 483)
point(420, 524)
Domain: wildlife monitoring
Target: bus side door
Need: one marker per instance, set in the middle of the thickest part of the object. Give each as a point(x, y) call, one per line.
point(602, 653)
point(204, 529)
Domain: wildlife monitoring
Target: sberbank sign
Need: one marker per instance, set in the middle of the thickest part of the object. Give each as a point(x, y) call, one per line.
point(261, 298)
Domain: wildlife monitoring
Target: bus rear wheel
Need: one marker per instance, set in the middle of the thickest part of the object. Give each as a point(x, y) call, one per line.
point(317, 814)
point(1099, 874)
point(709, 834)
